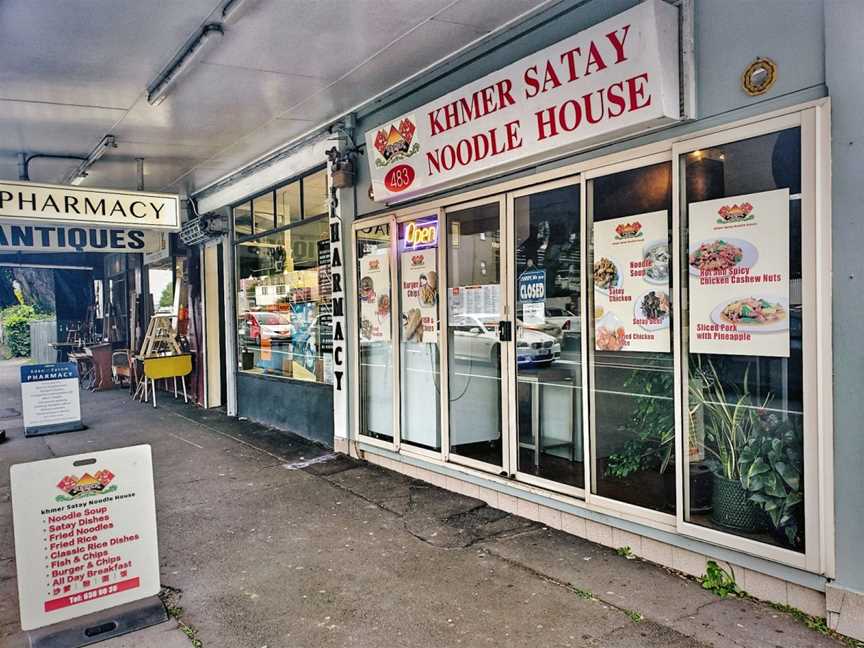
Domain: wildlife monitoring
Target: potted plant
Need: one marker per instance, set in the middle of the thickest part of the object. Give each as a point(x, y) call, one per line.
point(651, 442)
point(729, 425)
point(771, 467)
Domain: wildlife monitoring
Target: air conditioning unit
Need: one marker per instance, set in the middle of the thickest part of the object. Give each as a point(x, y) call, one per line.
point(198, 230)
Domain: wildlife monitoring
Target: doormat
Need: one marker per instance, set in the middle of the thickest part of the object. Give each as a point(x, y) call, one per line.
point(8, 412)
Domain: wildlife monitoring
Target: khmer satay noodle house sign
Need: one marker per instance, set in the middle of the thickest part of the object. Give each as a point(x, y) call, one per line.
point(618, 77)
point(85, 534)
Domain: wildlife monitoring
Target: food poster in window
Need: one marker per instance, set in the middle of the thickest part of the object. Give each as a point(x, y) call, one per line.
point(374, 290)
point(304, 352)
point(420, 295)
point(738, 265)
point(632, 307)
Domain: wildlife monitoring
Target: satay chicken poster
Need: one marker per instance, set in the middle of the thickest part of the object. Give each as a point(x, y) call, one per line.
point(420, 295)
point(85, 533)
point(632, 309)
point(375, 298)
point(738, 265)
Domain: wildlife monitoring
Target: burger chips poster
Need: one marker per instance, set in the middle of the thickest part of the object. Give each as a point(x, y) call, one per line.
point(738, 265)
point(375, 298)
point(632, 308)
point(420, 295)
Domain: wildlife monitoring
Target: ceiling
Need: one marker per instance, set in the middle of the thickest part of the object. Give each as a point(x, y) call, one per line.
point(72, 71)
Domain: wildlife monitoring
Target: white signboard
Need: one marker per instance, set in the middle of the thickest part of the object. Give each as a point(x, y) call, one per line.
point(420, 295)
point(85, 533)
point(47, 237)
point(375, 297)
point(50, 399)
point(85, 206)
point(618, 77)
point(739, 275)
point(632, 304)
point(161, 248)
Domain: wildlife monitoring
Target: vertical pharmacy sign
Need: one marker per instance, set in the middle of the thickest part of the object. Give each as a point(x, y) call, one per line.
point(85, 534)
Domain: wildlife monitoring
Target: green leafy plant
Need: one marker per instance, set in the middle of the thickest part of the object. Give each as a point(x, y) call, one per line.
point(771, 466)
point(16, 325)
point(720, 581)
point(729, 416)
point(625, 552)
point(652, 424)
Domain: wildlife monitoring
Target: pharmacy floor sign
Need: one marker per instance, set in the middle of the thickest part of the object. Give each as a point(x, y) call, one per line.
point(85, 534)
point(49, 395)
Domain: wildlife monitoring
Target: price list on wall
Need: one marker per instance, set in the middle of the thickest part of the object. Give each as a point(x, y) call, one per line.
point(85, 534)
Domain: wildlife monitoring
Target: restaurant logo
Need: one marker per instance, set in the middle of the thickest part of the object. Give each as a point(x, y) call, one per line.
point(85, 486)
point(418, 259)
point(735, 213)
point(626, 231)
point(374, 264)
point(396, 143)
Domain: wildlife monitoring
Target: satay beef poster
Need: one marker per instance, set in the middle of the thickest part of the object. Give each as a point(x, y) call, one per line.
point(632, 309)
point(420, 295)
point(375, 298)
point(738, 266)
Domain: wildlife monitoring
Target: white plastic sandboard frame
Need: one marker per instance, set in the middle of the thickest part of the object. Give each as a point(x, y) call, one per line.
point(86, 546)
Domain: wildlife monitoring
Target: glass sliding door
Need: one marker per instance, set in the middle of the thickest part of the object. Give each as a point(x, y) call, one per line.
point(630, 345)
point(476, 333)
point(419, 358)
point(375, 328)
point(548, 340)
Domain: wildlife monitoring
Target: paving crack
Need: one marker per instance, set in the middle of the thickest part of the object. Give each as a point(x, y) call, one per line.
point(581, 593)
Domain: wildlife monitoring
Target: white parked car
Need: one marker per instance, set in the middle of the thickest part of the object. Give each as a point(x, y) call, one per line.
point(563, 319)
point(475, 337)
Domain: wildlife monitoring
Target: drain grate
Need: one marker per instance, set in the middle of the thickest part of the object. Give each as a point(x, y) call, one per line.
point(8, 412)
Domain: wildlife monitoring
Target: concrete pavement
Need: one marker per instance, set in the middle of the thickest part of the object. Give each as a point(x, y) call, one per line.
point(260, 547)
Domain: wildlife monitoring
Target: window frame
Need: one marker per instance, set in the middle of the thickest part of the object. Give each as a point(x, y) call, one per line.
point(235, 243)
point(815, 229)
point(813, 117)
point(272, 189)
point(663, 520)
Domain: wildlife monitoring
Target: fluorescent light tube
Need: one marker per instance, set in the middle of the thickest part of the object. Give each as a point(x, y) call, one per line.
point(233, 9)
point(159, 88)
point(77, 176)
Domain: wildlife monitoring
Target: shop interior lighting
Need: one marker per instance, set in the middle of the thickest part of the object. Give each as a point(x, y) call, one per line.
point(195, 47)
point(76, 177)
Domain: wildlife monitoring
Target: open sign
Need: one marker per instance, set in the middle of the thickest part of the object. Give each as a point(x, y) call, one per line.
point(421, 234)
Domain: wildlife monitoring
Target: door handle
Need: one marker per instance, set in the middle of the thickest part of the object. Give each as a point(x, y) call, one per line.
point(505, 331)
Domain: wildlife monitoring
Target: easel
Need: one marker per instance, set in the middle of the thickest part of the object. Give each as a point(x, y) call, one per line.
point(162, 357)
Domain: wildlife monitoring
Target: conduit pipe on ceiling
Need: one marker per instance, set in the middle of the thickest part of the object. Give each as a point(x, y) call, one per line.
point(195, 47)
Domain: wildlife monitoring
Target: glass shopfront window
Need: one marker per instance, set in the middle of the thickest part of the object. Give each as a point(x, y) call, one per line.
point(419, 371)
point(283, 291)
point(632, 374)
point(742, 259)
point(642, 336)
point(375, 326)
point(475, 310)
point(548, 335)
